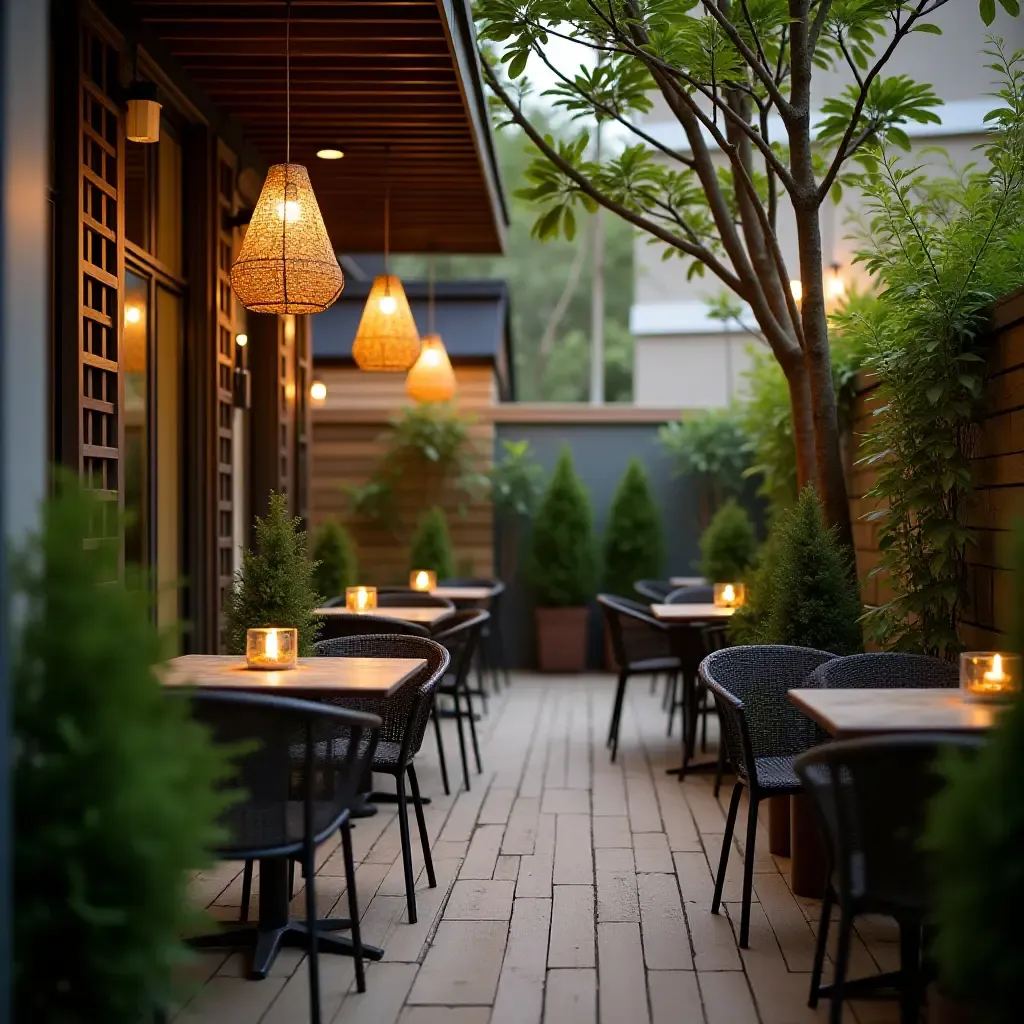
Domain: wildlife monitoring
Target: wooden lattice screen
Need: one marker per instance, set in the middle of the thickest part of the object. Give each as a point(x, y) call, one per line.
point(225, 369)
point(101, 184)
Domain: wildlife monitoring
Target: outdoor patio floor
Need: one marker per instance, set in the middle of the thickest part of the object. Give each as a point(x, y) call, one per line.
point(570, 890)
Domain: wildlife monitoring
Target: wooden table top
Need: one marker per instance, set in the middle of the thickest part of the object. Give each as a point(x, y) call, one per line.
point(690, 612)
point(687, 581)
point(425, 616)
point(848, 713)
point(464, 593)
point(338, 677)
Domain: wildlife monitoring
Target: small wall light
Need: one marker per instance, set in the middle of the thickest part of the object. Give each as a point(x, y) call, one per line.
point(132, 315)
point(796, 286)
point(835, 287)
point(142, 123)
point(318, 391)
point(241, 340)
point(270, 648)
point(329, 154)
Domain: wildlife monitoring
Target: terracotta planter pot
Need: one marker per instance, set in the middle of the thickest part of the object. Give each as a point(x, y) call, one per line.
point(943, 1010)
point(561, 639)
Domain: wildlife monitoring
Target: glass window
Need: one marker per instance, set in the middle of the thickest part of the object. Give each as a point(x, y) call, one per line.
point(135, 366)
point(138, 194)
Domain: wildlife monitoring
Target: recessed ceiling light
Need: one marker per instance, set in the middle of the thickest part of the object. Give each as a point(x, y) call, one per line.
point(329, 154)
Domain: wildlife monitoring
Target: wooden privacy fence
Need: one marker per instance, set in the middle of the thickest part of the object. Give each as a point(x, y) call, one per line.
point(998, 465)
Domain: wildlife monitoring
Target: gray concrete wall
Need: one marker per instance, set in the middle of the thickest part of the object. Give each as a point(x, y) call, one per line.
point(601, 452)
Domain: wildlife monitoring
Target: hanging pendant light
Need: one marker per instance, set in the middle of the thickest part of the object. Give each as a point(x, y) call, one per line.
point(432, 378)
point(387, 339)
point(286, 263)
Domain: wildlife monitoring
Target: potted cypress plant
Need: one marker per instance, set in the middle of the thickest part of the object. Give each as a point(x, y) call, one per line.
point(728, 545)
point(335, 554)
point(563, 570)
point(431, 545)
point(275, 585)
point(115, 789)
point(634, 545)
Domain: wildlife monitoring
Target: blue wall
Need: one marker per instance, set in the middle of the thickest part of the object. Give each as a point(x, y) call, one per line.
point(601, 452)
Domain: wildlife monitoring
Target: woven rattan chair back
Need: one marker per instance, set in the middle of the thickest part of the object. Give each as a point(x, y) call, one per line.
point(411, 599)
point(338, 627)
point(691, 595)
point(459, 635)
point(654, 591)
point(404, 714)
point(749, 684)
point(635, 634)
point(885, 671)
point(297, 770)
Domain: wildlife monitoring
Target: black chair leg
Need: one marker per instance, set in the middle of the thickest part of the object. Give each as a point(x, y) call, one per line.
point(613, 732)
point(748, 869)
point(842, 959)
point(353, 906)
point(440, 749)
point(472, 736)
point(723, 860)
point(246, 890)
point(403, 831)
point(720, 770)
point(673, 700)
point(291, 879)
point(910, 972)
point(499, 644)
point(462, 737)
point(421, 823)
point(654, 682)
point(311, 927)
point(820, 946)
point(704, 722)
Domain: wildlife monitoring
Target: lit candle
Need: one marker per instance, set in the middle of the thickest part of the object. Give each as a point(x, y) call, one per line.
point(422, 579)
point(270, 647)
point(729, 595)
point(360, 599)
point(989, 675)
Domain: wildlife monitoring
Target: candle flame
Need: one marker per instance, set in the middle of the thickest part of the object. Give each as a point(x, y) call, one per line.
point(361, 598)
point(729, 593)
point(271, 649)
point(995, 673)
point(421, 580)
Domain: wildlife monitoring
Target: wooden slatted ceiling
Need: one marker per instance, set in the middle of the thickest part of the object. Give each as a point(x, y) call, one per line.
point(376, 80)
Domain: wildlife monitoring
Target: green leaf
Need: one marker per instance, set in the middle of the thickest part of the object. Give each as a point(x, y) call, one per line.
point(928, 26)
point(518, 64)
point(1012, 7)
point(987, 10)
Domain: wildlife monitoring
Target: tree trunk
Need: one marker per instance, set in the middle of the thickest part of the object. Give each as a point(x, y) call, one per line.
point(830, 480)
point(803, 423)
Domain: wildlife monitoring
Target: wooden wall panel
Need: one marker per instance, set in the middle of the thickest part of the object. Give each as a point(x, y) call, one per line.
point(998, 465)
point(347, 447)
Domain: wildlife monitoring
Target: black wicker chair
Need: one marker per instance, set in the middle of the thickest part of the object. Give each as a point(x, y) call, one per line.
point(703, 594)
point(411, 599)
point(714, 638)
point(871, 797)
point(299, 771)
point(334, 602)
point(641, 645)
point(654, 591)
point(404, 719)
point(492, 657)
point(883, 671)
point(459, 637)
point(337, 627)
point(763, 733)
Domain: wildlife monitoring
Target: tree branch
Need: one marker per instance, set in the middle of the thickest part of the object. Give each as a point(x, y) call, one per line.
point(587, 187)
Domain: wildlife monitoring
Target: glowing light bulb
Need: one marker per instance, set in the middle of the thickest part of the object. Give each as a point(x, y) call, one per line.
point(132, 314)
point(362, 598)
point(388, 304)
point(329, 154)
point(797, 288)
point(289, 211)
point(431, 357)
point(318, 391)
point(241, 340)
point(835, 288)
point(271, 650)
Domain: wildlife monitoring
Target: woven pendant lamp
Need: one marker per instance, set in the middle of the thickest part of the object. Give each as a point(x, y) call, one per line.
point(287, 263)
point(432, 378)
point(387, 339)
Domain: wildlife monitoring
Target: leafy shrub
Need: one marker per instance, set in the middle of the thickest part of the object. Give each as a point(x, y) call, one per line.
point(975, 835)
point(335, 555)
point(431, 546)
point(275, 585)
point(728, 545)
point(803, 593)
point(563, 560)
point(115, 788)
point(634, 547)
point(516, 481)
point(943, 250)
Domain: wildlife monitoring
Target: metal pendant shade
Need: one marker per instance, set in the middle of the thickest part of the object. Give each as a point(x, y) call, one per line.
point(286, 263)
point(432, 378)
point(387, 339)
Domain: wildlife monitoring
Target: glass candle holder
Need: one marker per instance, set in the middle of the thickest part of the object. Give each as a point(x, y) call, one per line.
point(989, 675)
point(729, 595)
point(360, 599)
point(271, 648)
point(424, 580)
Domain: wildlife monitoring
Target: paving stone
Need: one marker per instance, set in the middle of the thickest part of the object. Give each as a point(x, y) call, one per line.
point(611, 832)
point(462, 965)
point(571, 997)
point(497, 806)
point(651, 853)
point(535, 871)
point(675, 997)
point(387, 986)
point(727, 998)
point(616, 886)
point(572, 927)
point(621, 982)
point(520, 994)
point(666, 939)
point(521, 830)
point(565, 801)
point(476, 900)
point(573, 855)
point(483, 852)
point(506, 868)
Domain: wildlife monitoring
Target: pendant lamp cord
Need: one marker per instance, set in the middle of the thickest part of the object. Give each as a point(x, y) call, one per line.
point(288, 82)
point(387, 220)
point(430, 296)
